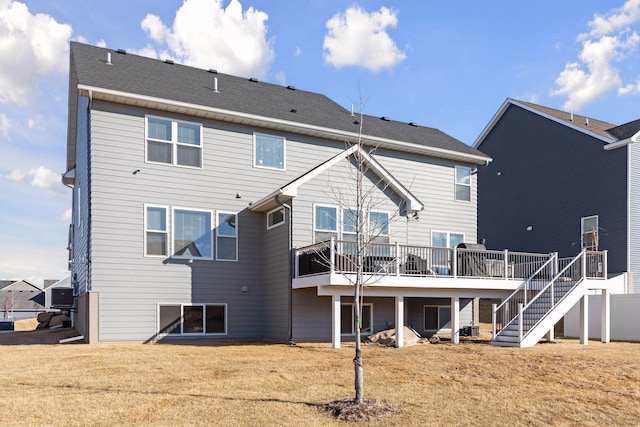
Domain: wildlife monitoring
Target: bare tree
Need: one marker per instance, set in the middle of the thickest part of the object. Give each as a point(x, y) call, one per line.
point(364, 194)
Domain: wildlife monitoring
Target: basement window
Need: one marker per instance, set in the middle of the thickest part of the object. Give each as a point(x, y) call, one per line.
point(192, 319)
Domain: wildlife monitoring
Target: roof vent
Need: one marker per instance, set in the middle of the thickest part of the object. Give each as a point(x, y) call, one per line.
point(168, 61)
point(586, 121)
point(293, 110)
point(215, 85)
point(356, 122)
point(108, 59)
point(386, 119)
point(122, 51)
point(413, 124)
point(291, 87)
point(213, 71)
point(253, 79)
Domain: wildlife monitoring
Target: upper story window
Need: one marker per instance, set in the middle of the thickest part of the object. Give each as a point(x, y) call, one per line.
point(174, 142)
point(463, 183)
point(268, 151)
point(589, 228)
point(325, 223)
point(156, 233)
point(227, 237)
point(328, 224)
point(192, 233)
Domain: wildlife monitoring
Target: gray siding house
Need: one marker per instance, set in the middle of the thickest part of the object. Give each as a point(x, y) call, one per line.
point(561, 182)
point(203, 203)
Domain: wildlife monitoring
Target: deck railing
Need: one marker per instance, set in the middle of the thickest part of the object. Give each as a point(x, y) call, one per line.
point(544, 289)
point(341, 256)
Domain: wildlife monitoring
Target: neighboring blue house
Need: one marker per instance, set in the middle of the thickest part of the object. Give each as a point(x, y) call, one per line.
point(202, 201)
point(561, 182)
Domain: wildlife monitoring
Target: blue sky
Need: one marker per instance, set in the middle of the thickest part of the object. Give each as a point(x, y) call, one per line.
point(444, 64)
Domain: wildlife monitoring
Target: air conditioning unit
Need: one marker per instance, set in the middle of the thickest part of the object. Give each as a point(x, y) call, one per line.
point(61, 297)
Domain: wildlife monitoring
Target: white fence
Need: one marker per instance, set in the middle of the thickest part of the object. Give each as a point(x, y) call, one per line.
point(625, 318)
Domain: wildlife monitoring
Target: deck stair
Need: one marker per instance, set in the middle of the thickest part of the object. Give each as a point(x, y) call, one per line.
point(533, 309)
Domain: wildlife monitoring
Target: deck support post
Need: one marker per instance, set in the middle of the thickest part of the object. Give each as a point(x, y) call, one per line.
point(335, 321)
point(399, 321)
point(605, 316)
point(455, 320)
point(584, 319)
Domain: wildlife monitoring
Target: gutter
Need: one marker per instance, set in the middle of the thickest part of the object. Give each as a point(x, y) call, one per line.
point(291, 272)
point(635, 138)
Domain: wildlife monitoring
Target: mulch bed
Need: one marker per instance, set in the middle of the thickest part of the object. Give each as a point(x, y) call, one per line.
point(350, 410)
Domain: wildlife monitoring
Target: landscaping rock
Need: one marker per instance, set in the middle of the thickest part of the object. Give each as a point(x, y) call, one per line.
point(57, 320)
point(46, 317)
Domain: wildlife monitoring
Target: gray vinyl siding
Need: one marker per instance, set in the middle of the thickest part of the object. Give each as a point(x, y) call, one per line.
point(276, 277)
point(548, 176)
point(81, 200)
point(634, 215)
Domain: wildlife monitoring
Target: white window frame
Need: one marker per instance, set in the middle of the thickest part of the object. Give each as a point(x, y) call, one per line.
point(353, 318)
point(439, 307)
point(387, 224)
point(224, 236)
point(204, 320)
point(338, 225)
point(583, 231)
point(270, 215)
point(448, 233)
point(456, 183)
point(166, 231)
point(255, 152)
point(173, 142)
point(212, 223)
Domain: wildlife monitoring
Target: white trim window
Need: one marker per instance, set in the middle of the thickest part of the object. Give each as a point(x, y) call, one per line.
point(192, 233)
point(156, 241)
point(325, 222)
point(269, 151)
point(226, 237)
point(348, 319)
point(192, 319)
point(463, 183)
point(589, 232)
point(173, 142)
point(437, 317)
point(446, 239)
point(275, 218)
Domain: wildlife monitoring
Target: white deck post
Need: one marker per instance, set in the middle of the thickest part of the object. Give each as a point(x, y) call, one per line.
point(584, 319)
point(335, 322)
point(551, 334)
point(455, 320)
point(605, 316)
point(399, 321)
point(494, 307)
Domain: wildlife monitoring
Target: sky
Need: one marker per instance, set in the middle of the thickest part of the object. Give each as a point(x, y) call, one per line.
point(443, 64)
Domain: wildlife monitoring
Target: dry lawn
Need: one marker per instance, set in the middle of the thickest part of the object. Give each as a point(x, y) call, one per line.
point(561, 383)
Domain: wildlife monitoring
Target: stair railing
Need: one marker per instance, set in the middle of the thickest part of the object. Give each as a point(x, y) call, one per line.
point(504, 313)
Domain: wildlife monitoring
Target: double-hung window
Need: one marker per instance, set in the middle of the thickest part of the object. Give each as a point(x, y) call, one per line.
point(325, 223)
point(227, 237)
point(445, 239)
point(192, 233)
point(174, 142)
point(463, 183)
point(192, 319)
point(268, 151)
point(156, 232)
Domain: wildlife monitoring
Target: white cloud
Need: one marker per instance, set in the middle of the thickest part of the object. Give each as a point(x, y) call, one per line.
point(16, 175)
point(20, 260)
point(610, 40)
point(297, 52)
point(5, 124)
point(206, 35)
point(281, 77)
point(359, 38)
point(45, 178)
point(66, 216)
point(31, 47)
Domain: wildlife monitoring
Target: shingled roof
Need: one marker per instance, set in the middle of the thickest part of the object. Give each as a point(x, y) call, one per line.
point(143, 81)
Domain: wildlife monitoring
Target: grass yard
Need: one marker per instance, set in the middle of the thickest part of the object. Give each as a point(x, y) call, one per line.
point(561, 383)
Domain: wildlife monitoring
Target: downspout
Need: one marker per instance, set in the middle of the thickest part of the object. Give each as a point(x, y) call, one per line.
point(290, 250)
point(88, 260)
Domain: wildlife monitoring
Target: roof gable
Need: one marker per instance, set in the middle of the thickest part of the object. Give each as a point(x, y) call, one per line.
point(290, 190)
point(592, 127)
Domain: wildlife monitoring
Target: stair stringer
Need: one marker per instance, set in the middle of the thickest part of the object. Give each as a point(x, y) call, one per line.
point(554, 315)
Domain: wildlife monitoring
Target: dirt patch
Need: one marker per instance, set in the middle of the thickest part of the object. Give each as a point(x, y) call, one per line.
point(40, 336)
point(350, 410)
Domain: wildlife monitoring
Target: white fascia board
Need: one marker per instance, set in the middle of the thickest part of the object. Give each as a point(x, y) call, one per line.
point(335, 134)
point(634, 139)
